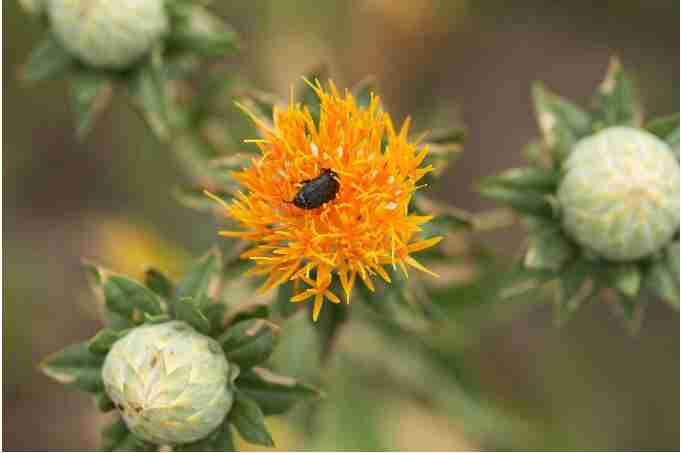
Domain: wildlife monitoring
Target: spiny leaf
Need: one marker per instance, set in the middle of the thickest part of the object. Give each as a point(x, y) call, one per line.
point(660, 281)
point(248, 343)
point(283, 306)
point(158, 283)
point(626, 278)
point(447, 136)
point(523, 201)
point(77, 367)
point(562, 123)
point(188, 310)
point(49, 60)
point(576, 285)
point(196, 29)
point(220, 440)
point(103, 402)
point(249, 420)
point(533, 178)
point(672, 253)
point(447, 216)
point(105, 338)
point(195, 283)
point(96, 276)
point(127, 297)
point(90, 94)
point(195, 198)
point(214, 311)
point(275, 394)
point(667, 129)
point(615, 102)
point(117, 437)
point(250, 312)
point(547, 249)
point(148, 88)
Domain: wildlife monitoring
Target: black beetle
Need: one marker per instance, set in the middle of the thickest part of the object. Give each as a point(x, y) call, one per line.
point(315, 192)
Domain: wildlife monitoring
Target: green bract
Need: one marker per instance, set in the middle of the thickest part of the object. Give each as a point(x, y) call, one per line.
point(170, 383)
point(108, 33)
point(600, 198)
point(178, 371)
point(620, 193)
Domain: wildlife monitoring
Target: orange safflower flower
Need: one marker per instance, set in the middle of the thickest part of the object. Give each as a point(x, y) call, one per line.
point(364, 227)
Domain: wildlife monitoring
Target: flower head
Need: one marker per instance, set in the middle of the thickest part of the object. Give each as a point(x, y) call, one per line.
point(108, 34)
point(171, 384)
point(360, 228)
point(620, 193)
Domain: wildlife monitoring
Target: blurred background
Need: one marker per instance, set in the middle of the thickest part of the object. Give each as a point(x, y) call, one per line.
point(586, 386)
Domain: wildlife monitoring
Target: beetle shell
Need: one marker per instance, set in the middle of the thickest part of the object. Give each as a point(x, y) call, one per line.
point(315, 192)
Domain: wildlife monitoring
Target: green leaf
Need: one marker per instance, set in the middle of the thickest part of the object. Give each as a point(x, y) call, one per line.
point(562, 123)
point(90, 94)
point(660, 280)
point(188, 310)
point(49, 60)
point(615, 102)
point(283, 306)
point(665, 128)
point(117, 437)
point(445, 216)
point(538, 154)
point(275, 394)
point(251, 312)
point(261, 103)
point(195, 198)
point(248, 343)
point(631, 310)
point(198, 30)
point(516, 281)
point(533, 178)
point(77, 367)
point(129, 298)
point(156, 319)
point(249, 420)
point(148, 88)
point(576, 286)
point(105, 338)
point(158, 283)
point(220, 440)
point(363, 90)
point(214, 311)
point(444, 146)
point(523, 201)
point(103, 402)
point(548, 249)
point(672, 254)
point(626, 278)
point(196, 281)
point(97, 276)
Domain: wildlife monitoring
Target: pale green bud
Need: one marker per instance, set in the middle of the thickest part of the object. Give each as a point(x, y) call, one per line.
point(171, 384)
point(620, 193)
point(108, 33)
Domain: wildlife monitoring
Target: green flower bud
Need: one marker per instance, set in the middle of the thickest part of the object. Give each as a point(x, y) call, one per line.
point(108, 33)
point(620, 193)
point(171, 384)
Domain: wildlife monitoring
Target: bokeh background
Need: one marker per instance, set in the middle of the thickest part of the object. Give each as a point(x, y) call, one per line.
point(586, 386)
